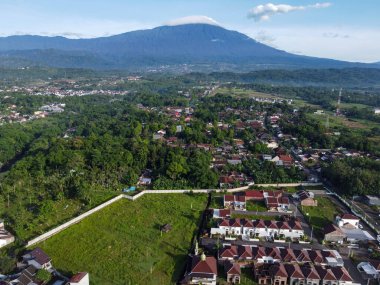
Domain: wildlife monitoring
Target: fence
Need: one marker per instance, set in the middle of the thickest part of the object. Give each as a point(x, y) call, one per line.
point(135, 197)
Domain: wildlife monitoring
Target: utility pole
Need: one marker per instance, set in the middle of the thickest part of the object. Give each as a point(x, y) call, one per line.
point(311, 233)
point(337, 113)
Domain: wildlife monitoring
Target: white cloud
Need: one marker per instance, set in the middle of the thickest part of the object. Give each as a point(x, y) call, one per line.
point(192, 20)
point(264, 12)
point(344, 43)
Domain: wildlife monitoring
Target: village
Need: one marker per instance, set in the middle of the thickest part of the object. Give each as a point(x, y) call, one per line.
point(272, 219)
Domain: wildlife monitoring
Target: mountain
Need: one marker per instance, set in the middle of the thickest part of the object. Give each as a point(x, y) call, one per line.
point(196, 45)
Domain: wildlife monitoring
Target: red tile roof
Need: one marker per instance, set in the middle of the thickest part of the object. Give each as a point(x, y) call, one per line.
point(349, 217)
point(341, 274)
point(254, 194)
point(40, 256)
point(78, 277)
point(233, 268)
point(204, 266)
point(278, 270)
point(229, 198)
point(229, 252)
point(294, 271)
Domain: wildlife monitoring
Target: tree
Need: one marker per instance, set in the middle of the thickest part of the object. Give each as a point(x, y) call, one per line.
point(43, 275)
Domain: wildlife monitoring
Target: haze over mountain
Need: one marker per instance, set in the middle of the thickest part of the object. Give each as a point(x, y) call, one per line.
point(200, 45)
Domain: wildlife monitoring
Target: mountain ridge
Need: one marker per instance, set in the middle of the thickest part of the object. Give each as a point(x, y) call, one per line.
point(188, 44)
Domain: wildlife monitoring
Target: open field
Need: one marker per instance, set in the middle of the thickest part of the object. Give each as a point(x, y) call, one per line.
point(322, 215)
point(126, 237)
point(342, 121)
point(257, 206)
point(244, 93)
point(217, 202)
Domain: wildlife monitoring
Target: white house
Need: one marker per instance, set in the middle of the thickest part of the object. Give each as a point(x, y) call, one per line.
point(203, 271)
point(259, 228)
point(371, 269)
point(347, 221)
point(38, 258)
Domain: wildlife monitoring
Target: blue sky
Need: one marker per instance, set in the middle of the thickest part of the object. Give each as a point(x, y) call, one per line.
point(341, 29)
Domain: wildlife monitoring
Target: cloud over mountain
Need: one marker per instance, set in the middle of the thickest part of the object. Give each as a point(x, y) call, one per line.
point(264, 12)
point(196, 19)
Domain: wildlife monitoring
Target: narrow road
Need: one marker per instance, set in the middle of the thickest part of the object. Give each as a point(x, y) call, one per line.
point(209, 243)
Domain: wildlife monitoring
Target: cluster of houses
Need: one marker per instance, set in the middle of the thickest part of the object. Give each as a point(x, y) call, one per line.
point(274, 200)
point(270, 266)
point(36, 260)
point(347, 229)
point(254, 229)
point(14, 116)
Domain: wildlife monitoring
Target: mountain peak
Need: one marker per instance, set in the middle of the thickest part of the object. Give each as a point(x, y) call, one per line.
point(196, 19)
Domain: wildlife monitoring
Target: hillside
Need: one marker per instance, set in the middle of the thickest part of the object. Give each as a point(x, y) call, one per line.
point(201, 46)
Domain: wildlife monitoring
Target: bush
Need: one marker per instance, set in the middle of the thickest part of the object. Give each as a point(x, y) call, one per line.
point(43, 275)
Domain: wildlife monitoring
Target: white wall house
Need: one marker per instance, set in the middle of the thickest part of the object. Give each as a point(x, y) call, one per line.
point(348, 221)
point(259, 228)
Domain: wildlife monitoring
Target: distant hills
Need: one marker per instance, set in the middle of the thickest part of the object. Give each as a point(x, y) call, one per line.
point(197, 47)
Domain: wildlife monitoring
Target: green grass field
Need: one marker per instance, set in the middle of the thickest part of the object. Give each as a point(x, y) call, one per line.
point(321, 215)
point(122, 244)
point(256, 206)
point(244, 93)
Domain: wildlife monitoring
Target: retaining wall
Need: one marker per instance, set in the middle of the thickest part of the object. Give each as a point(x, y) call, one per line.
point(72, 222)
point(135, 197)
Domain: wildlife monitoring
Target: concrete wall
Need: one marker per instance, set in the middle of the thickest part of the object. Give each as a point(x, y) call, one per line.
point(72, 222)
point(137, 196)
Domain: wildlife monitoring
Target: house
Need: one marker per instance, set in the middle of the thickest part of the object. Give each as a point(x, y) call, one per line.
point(272, 144)
point(232, 178)
point(5, 236)
point(369, 270)
point(145, 179)
point(81, 278)
point(295, 273)
point(236, 202)
point(277, 204)
point(305, 274)
point(259, 254)
point(278, 274)
point(266, 157)
point(342, 275)
point(221, 213)
point(347, 221)
point(233, 272)
point(230, 227)
point(259, 228)
point(286, 160)
point(203, 270)
point(254, 195)
point(372, 200)
point(334, 234)
point(37, 258)
point(306, 198)
point(26, 277)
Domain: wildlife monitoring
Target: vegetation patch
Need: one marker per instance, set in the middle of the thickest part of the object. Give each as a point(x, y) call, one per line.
point(322, 215)
point(123, 244)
